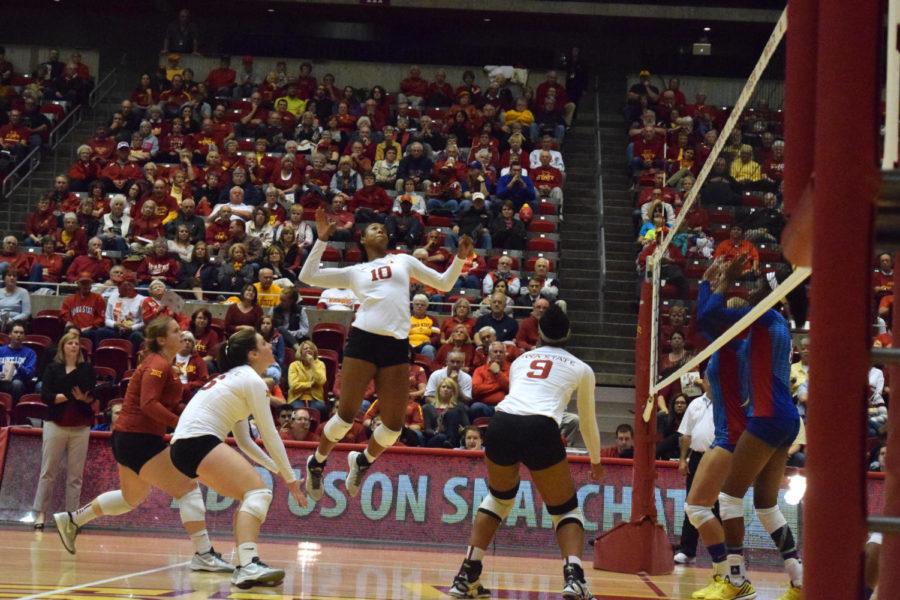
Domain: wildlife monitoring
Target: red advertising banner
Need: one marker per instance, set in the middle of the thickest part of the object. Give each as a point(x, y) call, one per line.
point(415, 495)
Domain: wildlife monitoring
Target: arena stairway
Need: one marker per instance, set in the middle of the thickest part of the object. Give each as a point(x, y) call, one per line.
point(603, 338)
point(56, 162)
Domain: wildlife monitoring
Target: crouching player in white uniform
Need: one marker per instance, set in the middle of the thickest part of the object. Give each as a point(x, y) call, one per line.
point(222, 405)
point(525, 429)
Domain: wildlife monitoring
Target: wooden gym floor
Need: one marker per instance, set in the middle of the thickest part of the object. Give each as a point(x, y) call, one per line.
point(110, 566)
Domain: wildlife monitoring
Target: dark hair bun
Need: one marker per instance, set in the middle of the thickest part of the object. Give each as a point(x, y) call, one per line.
point(554, 323)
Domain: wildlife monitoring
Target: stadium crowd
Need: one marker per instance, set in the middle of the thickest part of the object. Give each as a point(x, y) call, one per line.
point(738, 212)
point(203, 191)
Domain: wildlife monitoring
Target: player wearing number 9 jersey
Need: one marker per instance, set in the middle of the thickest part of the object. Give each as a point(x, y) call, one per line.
point(525, 430)
point(378, 343)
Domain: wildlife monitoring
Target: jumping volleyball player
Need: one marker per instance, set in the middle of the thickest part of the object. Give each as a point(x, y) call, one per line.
point(222, 405)
point(760, 454)
point(378, 343)
point(525, 429)
point(143, 455)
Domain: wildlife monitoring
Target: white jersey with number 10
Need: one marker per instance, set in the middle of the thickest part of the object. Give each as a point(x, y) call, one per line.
point(542, 382)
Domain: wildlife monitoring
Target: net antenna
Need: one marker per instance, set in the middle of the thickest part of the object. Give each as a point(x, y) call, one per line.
point(765, 57)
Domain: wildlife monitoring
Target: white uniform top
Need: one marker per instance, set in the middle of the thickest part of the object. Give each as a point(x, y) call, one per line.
point(223, 405)
point(542, 382)
point(698, 423)
point(382, 287)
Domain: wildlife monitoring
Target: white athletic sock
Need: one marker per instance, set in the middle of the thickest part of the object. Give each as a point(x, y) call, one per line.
point(246, 553)
point(473, 553)
point(573, 560)
point(84, 515)
point(794, 568)
point(368, 456)
point(201, 542)
point(736, 569)
point(720, 568)
point(320, 458)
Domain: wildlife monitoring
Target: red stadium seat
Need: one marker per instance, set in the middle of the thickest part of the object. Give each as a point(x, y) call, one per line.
point(540, 244)
point(37, 342)
point(330, 336)
point(87, 347)
point(547, 208)
point(47, 312)
point(331, 360)
point(309, 296)
point(103, 394)
point(541, 226)
point(332, 254)
point(114, 357)
point(117, 343)
point(26, 410)
point(721, 214)
point(104, 373)
point(49, 325)
point(422, 361)
point(218, 325)
point(353, 255)
point(438, 221)
point(6, 401)
point(31, 398)
point(4, 417)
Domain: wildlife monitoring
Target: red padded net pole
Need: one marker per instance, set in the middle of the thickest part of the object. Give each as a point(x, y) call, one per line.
point(846, 184)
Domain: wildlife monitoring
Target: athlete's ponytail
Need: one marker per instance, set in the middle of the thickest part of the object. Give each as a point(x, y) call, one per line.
point(235, 350)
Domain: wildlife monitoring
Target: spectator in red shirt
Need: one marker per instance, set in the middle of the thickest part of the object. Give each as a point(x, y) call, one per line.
point(370, 203)
point(460, 315)
point(11, 258)
point(40, 223)
point(547, 180)
point(736, 246)
point(220, 81)
point(47, 266)
point(413, 422)
point(440, 93)
point(490, 382)
point(145, 228)
point(459, 341)
point(561, 99)
point(14, 137)
point(71, 239)
point(647, 152)
point(84, 170)
point(190, 367)
point(84, 309)
point(118, 174)
point(298, 428)
point(175, 97)
point(773, 165)
point(527, 337)
point(159, 265)
point(414, 88)
point(624, 447)
point(92, 262)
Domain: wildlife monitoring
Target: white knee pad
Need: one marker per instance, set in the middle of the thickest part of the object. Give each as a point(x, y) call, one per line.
point(336, 428)
point(191, 507)
point(771, 518)
point(385, 437)
point(573, 516)
point(730, 507)
point(698, 515)
point(256, 503)
point(499, 508)
point(113, 503)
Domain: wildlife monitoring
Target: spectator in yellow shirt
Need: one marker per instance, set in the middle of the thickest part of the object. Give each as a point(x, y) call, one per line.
point(306, 380)
point(519, 114)
point(268, 294)
point(744, 169)
point(295, 105)
point(422, 327)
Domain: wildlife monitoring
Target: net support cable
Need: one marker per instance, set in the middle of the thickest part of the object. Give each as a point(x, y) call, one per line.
point(755, 76)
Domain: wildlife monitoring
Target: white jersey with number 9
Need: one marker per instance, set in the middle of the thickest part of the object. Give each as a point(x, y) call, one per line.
point(542, 382)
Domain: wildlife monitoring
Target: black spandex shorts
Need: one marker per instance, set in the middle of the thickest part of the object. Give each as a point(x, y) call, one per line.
point(134, 450)
point(188, 453)
point(380, 350)
point(533, 440)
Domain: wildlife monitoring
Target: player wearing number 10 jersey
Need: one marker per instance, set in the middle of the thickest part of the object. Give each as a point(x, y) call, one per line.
point(378, 343)
point(525, 429)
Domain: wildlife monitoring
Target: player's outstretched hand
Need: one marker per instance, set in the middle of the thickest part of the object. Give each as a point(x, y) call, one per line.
point(596, 472)
point(324, 228)
point(296, 490)
point(466, 245)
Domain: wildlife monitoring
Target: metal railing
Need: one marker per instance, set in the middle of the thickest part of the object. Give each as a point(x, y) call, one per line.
point(20, 173)
point(601, 204)
point(103, 88)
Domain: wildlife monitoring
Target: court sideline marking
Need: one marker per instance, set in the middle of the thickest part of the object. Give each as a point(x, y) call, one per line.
point(100, 582)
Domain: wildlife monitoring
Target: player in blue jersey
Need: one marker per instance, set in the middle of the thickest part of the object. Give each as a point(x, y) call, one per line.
point(760, 454)
point(727, 382)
